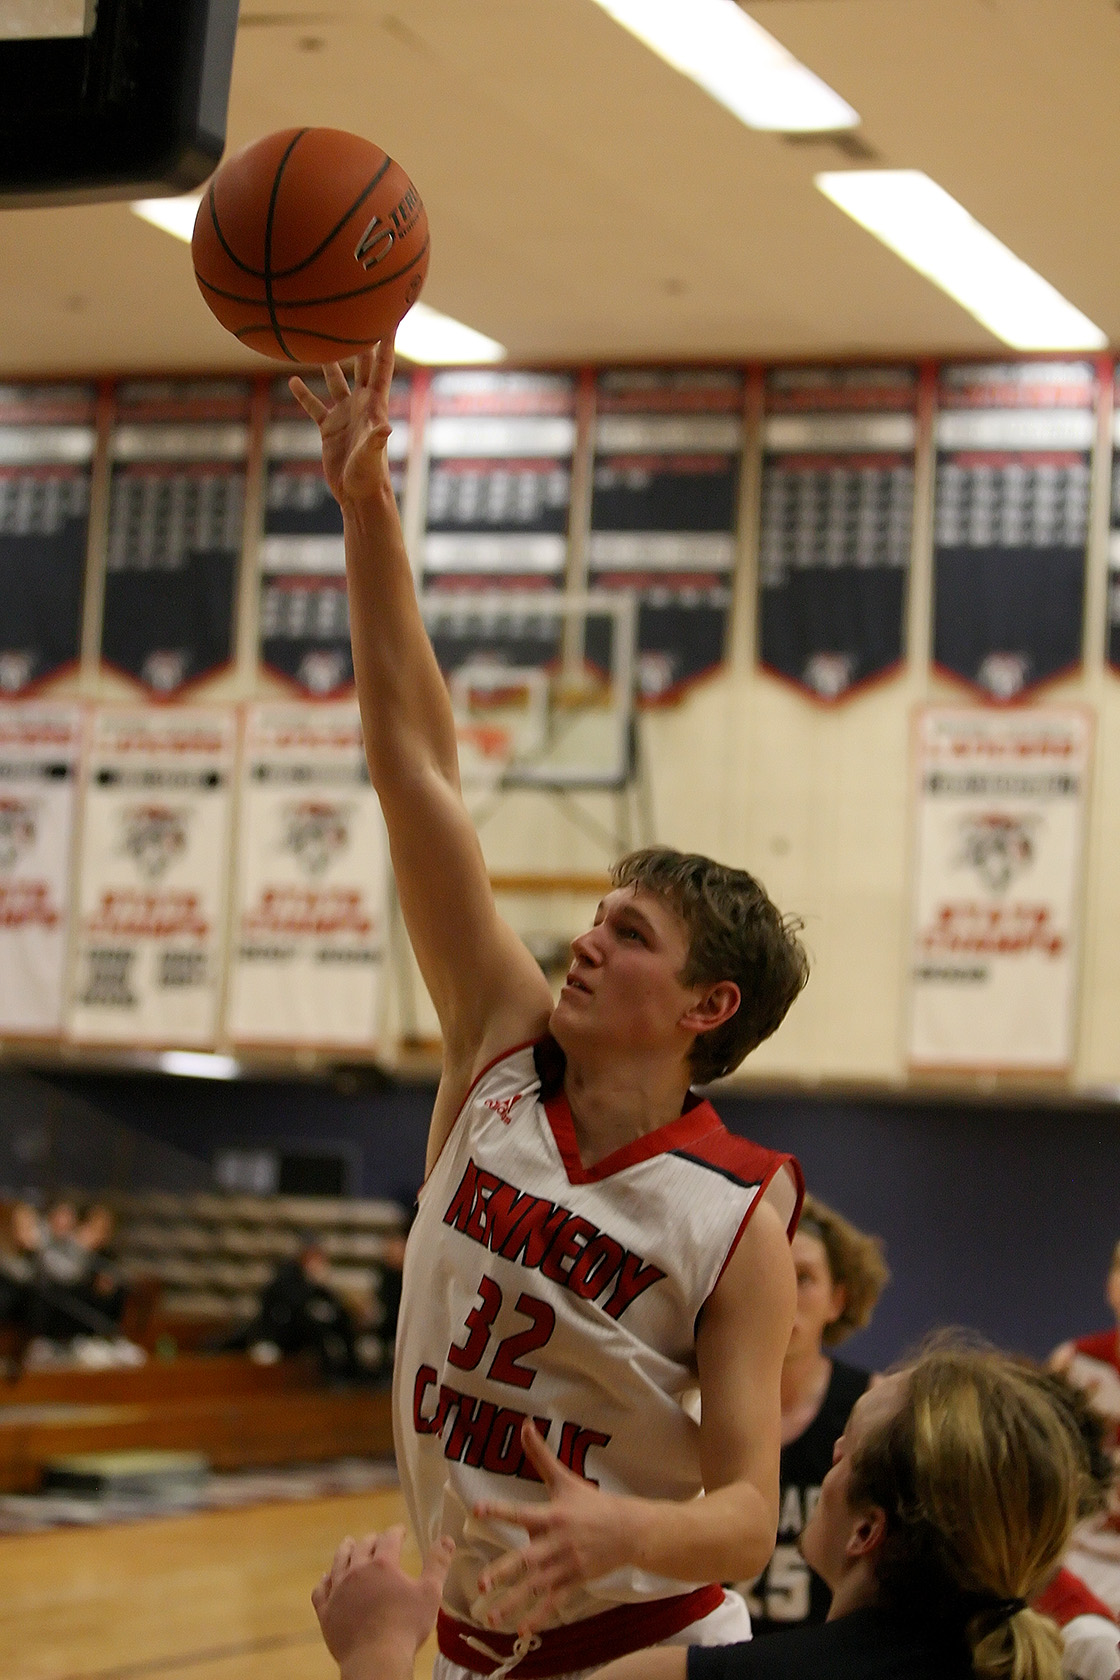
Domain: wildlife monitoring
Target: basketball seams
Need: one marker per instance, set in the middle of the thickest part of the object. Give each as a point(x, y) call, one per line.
point(273, 196)
point(286, 273)
point(331, 297)
point(270, 204)
point(256, 273)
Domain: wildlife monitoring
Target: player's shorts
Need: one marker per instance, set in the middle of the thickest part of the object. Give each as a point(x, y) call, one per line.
point(728, 1624)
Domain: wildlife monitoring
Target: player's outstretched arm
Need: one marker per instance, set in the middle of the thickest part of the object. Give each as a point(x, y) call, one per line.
point(487, 990)
point(373, 1617)
point(581, 1533)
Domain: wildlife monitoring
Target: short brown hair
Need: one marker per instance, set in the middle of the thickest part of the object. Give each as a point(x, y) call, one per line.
point(855, 1261)
point(734, 933)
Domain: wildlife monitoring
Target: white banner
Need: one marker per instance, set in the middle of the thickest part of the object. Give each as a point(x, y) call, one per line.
point(1000, 815)
point(312, 894)
point(40, 747)
point(152, 893)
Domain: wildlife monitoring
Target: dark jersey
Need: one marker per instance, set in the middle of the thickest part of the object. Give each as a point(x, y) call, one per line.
point(788, 1593)
point(869, 1644)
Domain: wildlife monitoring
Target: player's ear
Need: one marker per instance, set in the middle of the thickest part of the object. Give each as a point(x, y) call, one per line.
point(715, 1005)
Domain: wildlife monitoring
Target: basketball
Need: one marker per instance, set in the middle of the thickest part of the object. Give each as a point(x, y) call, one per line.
point(310, 244)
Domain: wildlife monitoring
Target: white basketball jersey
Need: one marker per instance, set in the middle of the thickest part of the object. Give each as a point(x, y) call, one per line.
point(535, 1287)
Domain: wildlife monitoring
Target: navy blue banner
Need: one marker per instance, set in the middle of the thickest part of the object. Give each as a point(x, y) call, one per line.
point(1013, 466)
point(47, 441)
point(664, 509)
point(304, 622)
point(179, 449)
point(499, 487)
point(836, 525)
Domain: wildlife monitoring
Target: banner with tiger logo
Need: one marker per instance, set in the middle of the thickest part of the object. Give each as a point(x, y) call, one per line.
point(1001, 800)
point(152, 881)
point(40, 746)
point(312, 890)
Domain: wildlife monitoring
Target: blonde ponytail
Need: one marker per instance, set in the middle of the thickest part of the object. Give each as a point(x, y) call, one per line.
point(979, 1475)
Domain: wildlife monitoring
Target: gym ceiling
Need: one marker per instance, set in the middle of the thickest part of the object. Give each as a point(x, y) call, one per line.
point(587, 202)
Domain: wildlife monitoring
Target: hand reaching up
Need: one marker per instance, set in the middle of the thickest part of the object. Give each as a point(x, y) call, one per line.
point(355, 426)
point(373, 1616)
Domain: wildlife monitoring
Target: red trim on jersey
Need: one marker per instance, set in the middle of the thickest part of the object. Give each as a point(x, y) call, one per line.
point(585, 1644)
point(1067, 1596)
point(780, 1162)
point(1103, 1345)
point(688, 1129)
point(504, 1056)
point(751, 1163)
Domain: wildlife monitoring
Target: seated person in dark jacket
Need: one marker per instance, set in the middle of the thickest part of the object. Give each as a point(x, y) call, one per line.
point(300, 1313)
point(952, 1494)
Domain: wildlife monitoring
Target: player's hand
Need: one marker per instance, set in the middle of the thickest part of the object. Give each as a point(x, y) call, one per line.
point(354, 426)
point(373, 1616)
point(578, 1536)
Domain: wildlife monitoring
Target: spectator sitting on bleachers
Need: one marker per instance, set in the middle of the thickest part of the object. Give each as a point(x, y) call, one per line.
point(61, 1292)
point(300, 1313)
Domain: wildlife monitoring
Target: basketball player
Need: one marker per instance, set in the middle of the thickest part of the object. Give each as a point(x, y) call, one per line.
point(592, 1247)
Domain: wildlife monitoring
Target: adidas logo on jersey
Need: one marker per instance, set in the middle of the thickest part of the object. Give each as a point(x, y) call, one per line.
point(503, 1106)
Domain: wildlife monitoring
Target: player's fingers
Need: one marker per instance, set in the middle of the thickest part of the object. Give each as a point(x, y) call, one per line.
point(533, 1518)
point(320, 1593)
point(336, 380)
point(524, 1564)
point(306, 399)
point(437, 1563)
point(383, 365)
point(342, 1559)
point(387, 1546)
point(363, 367)
point(541, 1456)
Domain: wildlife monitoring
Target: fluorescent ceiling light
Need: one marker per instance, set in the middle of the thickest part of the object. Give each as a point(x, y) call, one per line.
point(427, 336)
point(198, 1064)
point(927, 228)
point(173, 215)
point(733, 58)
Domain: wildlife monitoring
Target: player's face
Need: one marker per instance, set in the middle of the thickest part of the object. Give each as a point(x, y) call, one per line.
point(820, 1301)
point(833, 1530)
point(623, 988)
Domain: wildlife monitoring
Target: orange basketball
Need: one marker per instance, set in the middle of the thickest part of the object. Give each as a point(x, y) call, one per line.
point(310, 244)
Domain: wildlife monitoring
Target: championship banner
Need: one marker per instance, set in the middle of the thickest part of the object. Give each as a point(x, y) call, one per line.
point(1014, 455)
point(47, 440)
point(40, 749)
point(837, 516)
point(304, 623)
point(1113, 651)
point(664, 508)
point(499, 486)
point(312, 892)
point(152, 884)
point(176, 516)
point(1000, 815)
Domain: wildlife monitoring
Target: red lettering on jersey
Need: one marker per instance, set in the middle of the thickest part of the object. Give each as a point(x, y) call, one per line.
point(567, 1243)
point(534, 1233)
point(634, 1279)
point(547, 1237)
point(485, 1183)
point(463, 1200)
point(425, 1377)
point(470, 1431)
point(503, 1452)
point(505, 1208)
point(596, 1268)
point(575, 1444)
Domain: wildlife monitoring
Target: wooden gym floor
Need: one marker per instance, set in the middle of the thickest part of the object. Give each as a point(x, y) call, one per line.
point(219, 1596)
